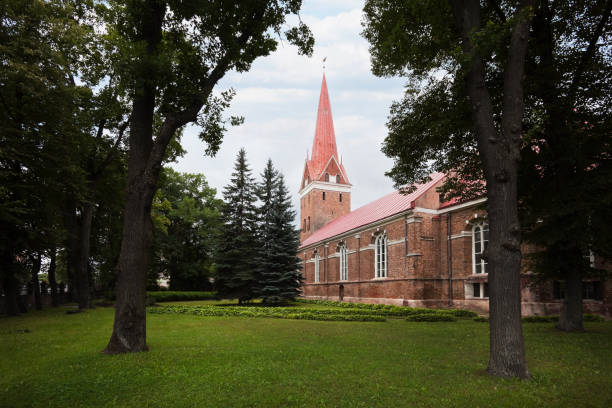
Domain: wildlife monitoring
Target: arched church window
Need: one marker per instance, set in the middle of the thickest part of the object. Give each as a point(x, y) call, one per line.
point(380, 256)
point(326, 176)
point(480, 239)
point(324, 195)
point(343, 262)
point(308, 226)
point(338, 178)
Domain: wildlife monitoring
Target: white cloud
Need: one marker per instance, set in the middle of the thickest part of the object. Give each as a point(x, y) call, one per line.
point(259, 95)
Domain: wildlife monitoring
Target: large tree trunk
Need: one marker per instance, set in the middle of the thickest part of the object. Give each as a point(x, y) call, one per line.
point(35, 282)
point(72, 249)
point(500, 155)
point(129, 329)
point(82, 257)
point(507, 350)
point(51, 275)
point(10, 287)
point(570, 318)
point(21, 304)
point(78, 248)
point(9, 282)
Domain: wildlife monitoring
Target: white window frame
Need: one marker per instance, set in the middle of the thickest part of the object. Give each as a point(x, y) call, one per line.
point(343, 263)
point(469, 290)
point(380, 256)
point(478, 232)
point(316, 264)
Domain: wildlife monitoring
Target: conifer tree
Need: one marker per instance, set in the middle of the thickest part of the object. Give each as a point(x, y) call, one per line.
point(236, 264)
point(265, 193)
point(278, 265)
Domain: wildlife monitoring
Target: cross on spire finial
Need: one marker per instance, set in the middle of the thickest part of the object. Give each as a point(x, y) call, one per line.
point(324, 59)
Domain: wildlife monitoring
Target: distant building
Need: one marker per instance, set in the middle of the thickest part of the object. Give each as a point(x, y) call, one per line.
point(408, 250)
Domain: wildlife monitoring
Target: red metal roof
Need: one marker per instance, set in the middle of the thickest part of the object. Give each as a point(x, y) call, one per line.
point(384, 207)
point(324, 144)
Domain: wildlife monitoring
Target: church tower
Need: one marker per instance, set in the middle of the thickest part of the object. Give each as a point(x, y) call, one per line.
point(325, 192)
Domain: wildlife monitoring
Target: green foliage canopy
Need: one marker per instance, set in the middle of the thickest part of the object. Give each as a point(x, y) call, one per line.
point(187, 218)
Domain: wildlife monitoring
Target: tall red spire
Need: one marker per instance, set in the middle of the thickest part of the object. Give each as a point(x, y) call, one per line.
point(324, 145)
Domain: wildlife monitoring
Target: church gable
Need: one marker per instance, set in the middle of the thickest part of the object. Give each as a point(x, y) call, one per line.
point(431, 197)
point(333, 172)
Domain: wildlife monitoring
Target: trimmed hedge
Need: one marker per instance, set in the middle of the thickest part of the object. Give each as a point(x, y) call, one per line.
point(587, 317)
point(461, 313)
point(390, 310)
point(592, 318)
point(335, 317)
point(271, 312)
point(548, 319)
point(428, 317)
point(169, 296)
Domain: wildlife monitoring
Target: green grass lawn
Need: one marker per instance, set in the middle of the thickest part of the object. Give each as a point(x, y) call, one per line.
point(240, 362)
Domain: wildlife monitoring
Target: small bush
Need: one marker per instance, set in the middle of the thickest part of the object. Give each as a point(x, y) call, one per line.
point(429, 317)
point(592, 318)
point(460, 313)
point(481, 319)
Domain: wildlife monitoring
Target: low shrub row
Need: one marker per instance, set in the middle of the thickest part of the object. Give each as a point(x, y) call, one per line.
point(592, 318)
point(169, 296)
point(272, 312)
point(587, 317)
point(335, 317)
point(461, 313)
point(398, 312)
point(390, 310)
point(369, 306)
point(548, 319)
point(429, 317)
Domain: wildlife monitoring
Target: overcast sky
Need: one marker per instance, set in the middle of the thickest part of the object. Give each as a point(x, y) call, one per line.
point(278, 98)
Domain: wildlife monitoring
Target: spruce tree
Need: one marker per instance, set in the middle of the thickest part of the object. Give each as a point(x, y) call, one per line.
point(278, 265)
point(235, 265)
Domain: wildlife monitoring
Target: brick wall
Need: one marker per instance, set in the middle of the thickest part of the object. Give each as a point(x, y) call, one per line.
point(321, 211)
point(418, 269)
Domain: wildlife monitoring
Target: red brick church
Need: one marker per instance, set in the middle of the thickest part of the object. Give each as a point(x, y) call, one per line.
point(408, 250)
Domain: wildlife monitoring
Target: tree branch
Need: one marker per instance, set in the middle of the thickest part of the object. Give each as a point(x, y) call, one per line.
point(588, 54)
point(177, 120)
point(101, 129)
point(513, 75)
point(467, 20)
point(112, 151)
